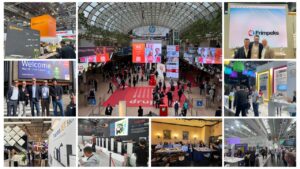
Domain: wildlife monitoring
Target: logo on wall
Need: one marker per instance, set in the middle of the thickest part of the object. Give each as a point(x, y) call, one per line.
point(263, 33)
point(152, 29)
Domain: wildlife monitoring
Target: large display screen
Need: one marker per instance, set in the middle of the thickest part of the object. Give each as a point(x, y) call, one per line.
point(263, 84)
point(95, 54)
point(153, 53)
point(209, 55)
point(44, 70)
point(146, 52)
point(172, 65)
point(22, 42)
point(121, 127)
point(267, 21)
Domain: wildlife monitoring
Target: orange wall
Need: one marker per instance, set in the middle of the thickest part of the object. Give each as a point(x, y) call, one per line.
point(45, 24)
point(176, 130)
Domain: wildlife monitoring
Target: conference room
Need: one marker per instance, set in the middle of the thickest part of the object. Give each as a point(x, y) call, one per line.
point(260, 88)
point(271, 35)
point(116, 142)
point(260, 142)
point(186, 142)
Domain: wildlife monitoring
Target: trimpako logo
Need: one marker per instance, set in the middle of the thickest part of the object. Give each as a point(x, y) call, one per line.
point(263, 33)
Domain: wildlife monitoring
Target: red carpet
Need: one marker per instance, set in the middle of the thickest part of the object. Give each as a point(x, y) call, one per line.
point(138, 96)
point(191, 78)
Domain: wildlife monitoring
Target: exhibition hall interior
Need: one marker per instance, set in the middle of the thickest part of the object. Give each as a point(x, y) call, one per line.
point(275, 25)
point(39, 30)
point(260, 142)
point(39, 88)
point(186, 142)
point(113, 142)
point(260, 88)
point(40, 142)
point(150, 59)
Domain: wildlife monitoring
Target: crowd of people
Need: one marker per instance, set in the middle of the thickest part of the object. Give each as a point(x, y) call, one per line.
point(65, 50)
point(185, 154)
point(39, 98)
point(280, 156)
point(31, 158)
point(244, 98)
point(254, 50)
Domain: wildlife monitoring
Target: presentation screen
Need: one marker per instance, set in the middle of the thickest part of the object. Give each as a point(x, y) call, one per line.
point(267, 21)
point(121, 127)
point(280, 81)
point(209, 55)
point(44, 70)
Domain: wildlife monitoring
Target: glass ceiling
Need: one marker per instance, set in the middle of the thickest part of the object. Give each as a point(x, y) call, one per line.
point(124, 17)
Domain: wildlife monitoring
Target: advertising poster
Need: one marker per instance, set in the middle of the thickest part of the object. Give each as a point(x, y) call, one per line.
point(280, 81)
point(209, 55)
point(172, 65)
point(264, 84)
point(269, 23)
point(161, 69)
point(153, 53)
point(138, 53)
point(44, 70)
point(121, 127)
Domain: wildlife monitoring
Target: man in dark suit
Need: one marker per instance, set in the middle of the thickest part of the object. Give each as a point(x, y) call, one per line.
point(57, 93)
point(240, 101)
point(255, 48)
point(66, 51)
point(243, 52)
point(34, 97)
point(12, 99)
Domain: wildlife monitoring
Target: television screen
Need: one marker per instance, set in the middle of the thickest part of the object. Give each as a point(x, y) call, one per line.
point(290, 142)
point(121, 127)
point(153, 53)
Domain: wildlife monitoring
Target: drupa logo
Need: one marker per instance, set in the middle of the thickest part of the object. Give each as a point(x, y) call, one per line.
point(252, 32)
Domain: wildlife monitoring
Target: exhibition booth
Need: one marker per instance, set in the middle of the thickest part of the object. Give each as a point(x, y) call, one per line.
point(39, 143)
point(115, 142)
point(259, 142)
point(272, 83)
point(186, 142)
point(275, 22)
point(43, 30)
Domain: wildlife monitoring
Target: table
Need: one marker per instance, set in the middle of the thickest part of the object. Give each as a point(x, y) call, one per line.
point(232, 160)
point(200, 153)
point(278, 103)
point(169, 151)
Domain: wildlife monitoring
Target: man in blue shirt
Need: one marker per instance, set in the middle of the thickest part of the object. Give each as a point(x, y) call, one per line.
point(45, 101)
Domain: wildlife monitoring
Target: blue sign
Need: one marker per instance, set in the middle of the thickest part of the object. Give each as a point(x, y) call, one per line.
point(199, 103)
point(152, 29)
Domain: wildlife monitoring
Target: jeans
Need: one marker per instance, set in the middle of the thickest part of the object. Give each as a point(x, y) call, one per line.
point(35, 103)
point(22, 108)
point(58, 103)
point(12, 107)
point(255, 109)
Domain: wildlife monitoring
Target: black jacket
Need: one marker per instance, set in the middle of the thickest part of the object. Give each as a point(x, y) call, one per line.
point(240, 53)
point(67, 53)
point(9, 93)
point(56, 91)
point(37, 92)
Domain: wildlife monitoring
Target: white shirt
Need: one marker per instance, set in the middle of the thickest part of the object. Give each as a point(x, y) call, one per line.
point(254, 51)
point(246, 51)
point(255, 97)
point(15, 94)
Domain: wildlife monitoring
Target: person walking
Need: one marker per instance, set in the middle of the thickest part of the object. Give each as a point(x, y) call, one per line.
point(110, 88)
